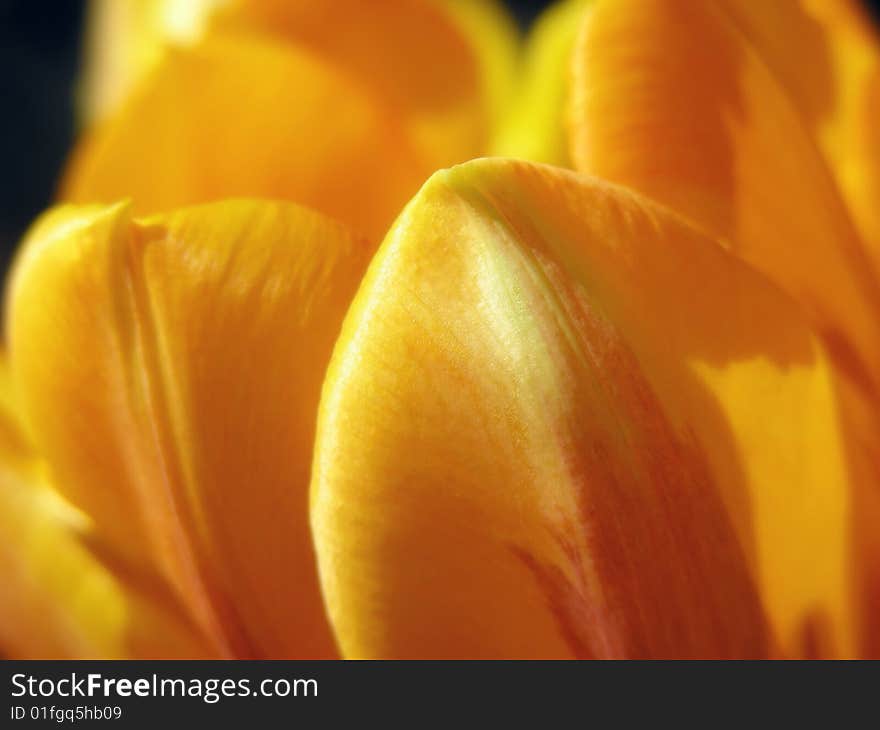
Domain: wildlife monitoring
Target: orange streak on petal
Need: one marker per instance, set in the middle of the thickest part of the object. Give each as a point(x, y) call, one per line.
point(561, 421)
point(697, 105)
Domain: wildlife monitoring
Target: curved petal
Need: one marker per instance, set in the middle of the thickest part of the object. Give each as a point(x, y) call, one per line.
point(57, 599)
point(60, 601)
point(494, 38)
point(170, 370)
point(826, 56)
point(537, 125)
point(239, 116)
point(561, 422)
point(459, 58)
point(826, 53)
point(861, 420)
point(686, 102)
point(849, 133)
point(441, 99)
point(304, 101)
point(124, 39)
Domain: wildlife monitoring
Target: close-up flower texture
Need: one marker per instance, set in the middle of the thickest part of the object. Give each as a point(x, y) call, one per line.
point(402, 330)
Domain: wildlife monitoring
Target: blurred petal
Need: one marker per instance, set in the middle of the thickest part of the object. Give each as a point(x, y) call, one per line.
point(849, 132)
point(444, 68)
point(494, 38)
point(411, 56)
point(125, 38)
point(57, 600)
point(170, 370)
point(560, 422)
point(826, 56)
point(537, 126)
point(861, 420)
point(236, 116)
point(681, 101)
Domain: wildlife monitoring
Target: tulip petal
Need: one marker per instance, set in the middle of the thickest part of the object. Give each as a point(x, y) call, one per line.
point(57, 600)
point(494, 39)
point(459, 58)
point(171, 369)
point(124, 39)
point(60, 601)
point(850, 134)
point(680, 100)
point(416, 57)
point(826, 55)
point(537, 125)
point(237, 116)
point(561, 422)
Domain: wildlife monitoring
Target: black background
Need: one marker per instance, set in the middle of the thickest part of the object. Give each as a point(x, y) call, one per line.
point(39, 54)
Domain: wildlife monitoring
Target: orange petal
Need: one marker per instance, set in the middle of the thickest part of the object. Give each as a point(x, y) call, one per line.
point(239, 116)
point(849, 133)
point(417, 57)
point(304, 101)
point(686, 102)
point(170, 370)
point(826, 56)
point(536, 127)
point(561, 422)
point(459, 57)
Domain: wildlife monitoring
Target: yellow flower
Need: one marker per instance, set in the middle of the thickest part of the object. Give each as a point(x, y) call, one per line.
point(565, 421)
point(621, 406)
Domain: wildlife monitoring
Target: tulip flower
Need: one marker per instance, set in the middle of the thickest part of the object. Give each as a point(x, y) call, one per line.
point(612, 394)
point(628, 411)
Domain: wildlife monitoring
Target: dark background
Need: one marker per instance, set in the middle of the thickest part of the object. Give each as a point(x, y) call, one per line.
point(39, 53)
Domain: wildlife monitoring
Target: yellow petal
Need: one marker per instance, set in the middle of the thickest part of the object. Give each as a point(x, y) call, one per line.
point(494, 38)
point(459, 58)
point(413, 56)
point(57, 599)
point(124, 40)
point(826, 56)
point(848, 132)
point(561, 422)
point(536, 128)
point(237, 116)
point(677, 99)
point(170, 370)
